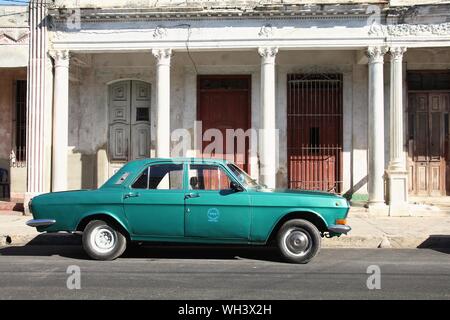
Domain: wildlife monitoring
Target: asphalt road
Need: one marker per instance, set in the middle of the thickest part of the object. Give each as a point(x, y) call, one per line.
point(157, 272)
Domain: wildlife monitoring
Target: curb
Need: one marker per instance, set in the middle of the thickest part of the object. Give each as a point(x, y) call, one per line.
point(388, 241)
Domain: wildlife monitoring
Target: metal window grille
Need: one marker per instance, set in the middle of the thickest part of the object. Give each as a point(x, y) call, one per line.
point(314, 127)
point(21, 122)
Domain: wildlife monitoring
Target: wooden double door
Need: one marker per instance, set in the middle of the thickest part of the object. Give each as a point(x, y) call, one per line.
point(129, 120)
point(428, 143)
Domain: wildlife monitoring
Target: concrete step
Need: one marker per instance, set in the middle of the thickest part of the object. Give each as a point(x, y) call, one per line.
point(11, 206)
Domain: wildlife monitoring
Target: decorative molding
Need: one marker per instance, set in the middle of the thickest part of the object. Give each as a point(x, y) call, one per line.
point(268, 53)
point(160, 33)
point(376, 54)
point(401, 30)
point(162, 55)
point(266, 31)
point(377, 30)
point(397, 53)
point(61, 57)
point(14, 36)
point(223, 11)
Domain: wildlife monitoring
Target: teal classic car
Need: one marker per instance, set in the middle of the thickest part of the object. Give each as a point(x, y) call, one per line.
point(191, 200)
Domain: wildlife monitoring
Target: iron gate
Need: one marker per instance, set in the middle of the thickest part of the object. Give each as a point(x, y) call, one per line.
point(314, 131)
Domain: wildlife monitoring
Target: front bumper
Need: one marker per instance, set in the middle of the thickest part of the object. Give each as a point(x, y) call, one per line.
point(40, 222)
point(339, 228)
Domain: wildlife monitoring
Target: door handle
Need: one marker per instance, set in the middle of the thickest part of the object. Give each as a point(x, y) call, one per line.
point(131, 195)
point(191, 195)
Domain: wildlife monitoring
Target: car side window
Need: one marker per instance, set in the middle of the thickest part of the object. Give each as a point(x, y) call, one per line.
point(208, 177)
point(161, 176)
point(142, 181)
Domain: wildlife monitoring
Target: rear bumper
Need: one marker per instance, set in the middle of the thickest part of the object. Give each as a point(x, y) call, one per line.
point(40, 222)
point(339, 228)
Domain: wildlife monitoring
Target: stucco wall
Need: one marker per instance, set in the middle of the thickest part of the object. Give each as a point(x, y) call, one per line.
point(88, 125)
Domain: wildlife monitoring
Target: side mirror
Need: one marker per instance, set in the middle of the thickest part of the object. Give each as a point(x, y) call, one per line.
point(236, 187)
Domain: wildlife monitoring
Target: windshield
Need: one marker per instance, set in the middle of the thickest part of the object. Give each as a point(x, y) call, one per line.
point(243, 177)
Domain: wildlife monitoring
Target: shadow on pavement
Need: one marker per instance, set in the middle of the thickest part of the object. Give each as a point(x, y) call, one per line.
point(437, 242)
point(70, 246)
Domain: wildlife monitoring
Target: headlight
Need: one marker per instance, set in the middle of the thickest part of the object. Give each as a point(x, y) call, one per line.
point(29, 205)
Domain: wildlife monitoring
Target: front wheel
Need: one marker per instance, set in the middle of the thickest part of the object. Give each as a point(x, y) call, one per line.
point(298, 241)
point(103, 241)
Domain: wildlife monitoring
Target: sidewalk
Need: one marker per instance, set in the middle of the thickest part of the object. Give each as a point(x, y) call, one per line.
point(367, 231)
point(13, 229)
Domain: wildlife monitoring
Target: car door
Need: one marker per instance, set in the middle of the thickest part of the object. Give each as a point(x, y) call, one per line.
point(154, 203)
point(213, 209)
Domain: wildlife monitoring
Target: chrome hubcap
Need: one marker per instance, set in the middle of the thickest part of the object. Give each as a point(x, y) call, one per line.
point(297, 241)
point(103, 239)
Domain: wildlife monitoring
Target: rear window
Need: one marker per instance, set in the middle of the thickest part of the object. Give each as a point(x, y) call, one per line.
point(122, 178)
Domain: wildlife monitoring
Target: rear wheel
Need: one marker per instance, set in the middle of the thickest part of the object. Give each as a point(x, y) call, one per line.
point(298, 241)
point(103, 241)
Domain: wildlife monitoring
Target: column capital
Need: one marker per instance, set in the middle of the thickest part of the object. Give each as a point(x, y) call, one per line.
point(162, 56)
point(376, 54)
point(268, 54)
point(61, 57)
point(397, 53)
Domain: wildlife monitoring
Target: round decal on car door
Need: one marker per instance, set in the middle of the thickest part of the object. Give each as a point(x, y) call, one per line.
point(213, 215)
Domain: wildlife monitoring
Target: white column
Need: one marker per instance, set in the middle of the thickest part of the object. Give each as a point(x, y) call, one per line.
point(397, 174)
point(60, 120)
point(376, 126)
point(268, 150)
point(162, 101)
point(36, 102)
point(396, 161)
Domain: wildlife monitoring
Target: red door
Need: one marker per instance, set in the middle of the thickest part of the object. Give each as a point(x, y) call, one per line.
point(224, 103)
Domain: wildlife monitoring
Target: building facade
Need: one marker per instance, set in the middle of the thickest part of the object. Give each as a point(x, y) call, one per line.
point(342, 96)
point(14, 32)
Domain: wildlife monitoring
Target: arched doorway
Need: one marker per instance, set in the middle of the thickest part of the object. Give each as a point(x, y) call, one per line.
point(129, 120)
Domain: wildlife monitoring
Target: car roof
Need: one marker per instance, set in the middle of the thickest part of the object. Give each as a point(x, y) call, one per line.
point(177, 159)
point(135, 165)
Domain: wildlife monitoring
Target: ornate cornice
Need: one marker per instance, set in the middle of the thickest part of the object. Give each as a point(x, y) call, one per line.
point(224, 11)
point(401, 30)
point(376, 54)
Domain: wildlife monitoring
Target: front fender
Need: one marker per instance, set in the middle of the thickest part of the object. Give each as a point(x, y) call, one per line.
point(265, 221)
point(120, 219)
